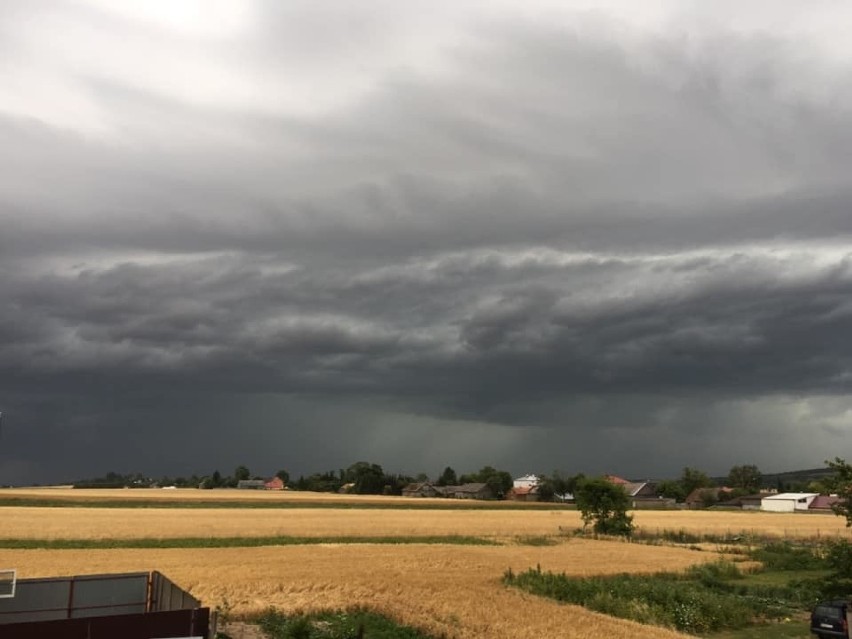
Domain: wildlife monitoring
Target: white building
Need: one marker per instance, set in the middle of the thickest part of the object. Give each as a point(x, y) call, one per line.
point(527, 481)
point(787, 502)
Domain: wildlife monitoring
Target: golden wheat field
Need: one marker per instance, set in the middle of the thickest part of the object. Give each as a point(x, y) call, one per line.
point(442, 588)
point(126, 523)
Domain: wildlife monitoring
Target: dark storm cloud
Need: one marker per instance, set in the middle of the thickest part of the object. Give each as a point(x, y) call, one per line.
point(554, 233)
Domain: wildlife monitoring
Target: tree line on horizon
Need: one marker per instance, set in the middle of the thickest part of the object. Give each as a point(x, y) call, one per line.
point(367, 478)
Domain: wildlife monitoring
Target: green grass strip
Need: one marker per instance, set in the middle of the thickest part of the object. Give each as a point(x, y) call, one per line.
point(233, 542)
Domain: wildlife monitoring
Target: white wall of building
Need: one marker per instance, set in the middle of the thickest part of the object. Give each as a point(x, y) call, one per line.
point(787, 502)
point(527, 481)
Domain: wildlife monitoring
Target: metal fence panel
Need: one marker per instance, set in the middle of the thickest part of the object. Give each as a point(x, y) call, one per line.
point(174, 623)
point(98, 595)
point(37, 600)
point(90, 596)
point(166, 595)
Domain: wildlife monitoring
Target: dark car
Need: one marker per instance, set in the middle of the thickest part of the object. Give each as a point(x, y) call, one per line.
point(828, 619)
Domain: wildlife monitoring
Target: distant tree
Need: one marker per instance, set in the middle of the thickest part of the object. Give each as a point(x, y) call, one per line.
point(558, 482)
point(216, 479)
point(745, 478)
point(328, 482)
point(448, 478)
point(692, 478)
point(545, 488)
point(421, 478)
point(368, 479)
point(284, 476)
point(242, 473)
point(393, 484)
point(499, 481)
point(672, 489)
point(604, 505)
point(573, 483)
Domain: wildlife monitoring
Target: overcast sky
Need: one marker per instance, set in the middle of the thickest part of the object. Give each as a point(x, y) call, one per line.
point(587, 236)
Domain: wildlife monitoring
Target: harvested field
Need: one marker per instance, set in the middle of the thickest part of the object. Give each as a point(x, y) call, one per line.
point(442, 589)
point(732, 523)
point(270, 497)
point(126, 523)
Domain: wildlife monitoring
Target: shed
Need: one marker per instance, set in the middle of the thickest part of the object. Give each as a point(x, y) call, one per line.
point(787, 502)
point(251, 484)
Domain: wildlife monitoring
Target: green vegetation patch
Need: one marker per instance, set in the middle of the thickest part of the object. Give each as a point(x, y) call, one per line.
point(336, 625)
point(706, 598)
point(234, 542)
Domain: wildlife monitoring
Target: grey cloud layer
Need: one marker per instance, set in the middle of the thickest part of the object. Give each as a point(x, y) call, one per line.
point(534, 223)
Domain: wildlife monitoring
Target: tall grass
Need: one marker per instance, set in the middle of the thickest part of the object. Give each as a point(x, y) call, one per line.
point(357, 623)
point(700, 600)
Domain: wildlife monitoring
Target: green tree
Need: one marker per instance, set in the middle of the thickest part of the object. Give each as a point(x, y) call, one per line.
point(692, 478)
point(284, 476)
point(604, 505)
point(841, 484)
point(368, 479)
point(241, 473)
point(545, 488)
point(448, 478)
point(672, 489)
point(499, 481)
point(746, 478)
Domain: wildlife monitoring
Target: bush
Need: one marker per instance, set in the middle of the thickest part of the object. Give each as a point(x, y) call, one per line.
point(350, 624)
point(785, 556)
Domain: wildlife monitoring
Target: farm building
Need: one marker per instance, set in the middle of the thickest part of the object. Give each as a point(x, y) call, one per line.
point(470, 491)
point(702, 497)
point(787, 502)
point(751, 502)
point(523, 493)
point(422, 489)
point(276, 483)
point(251, 484)
point(527, 481)
point(824, 503)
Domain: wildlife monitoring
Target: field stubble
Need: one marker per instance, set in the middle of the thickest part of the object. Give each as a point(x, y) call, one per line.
point(22, 522)
point(443, 589)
